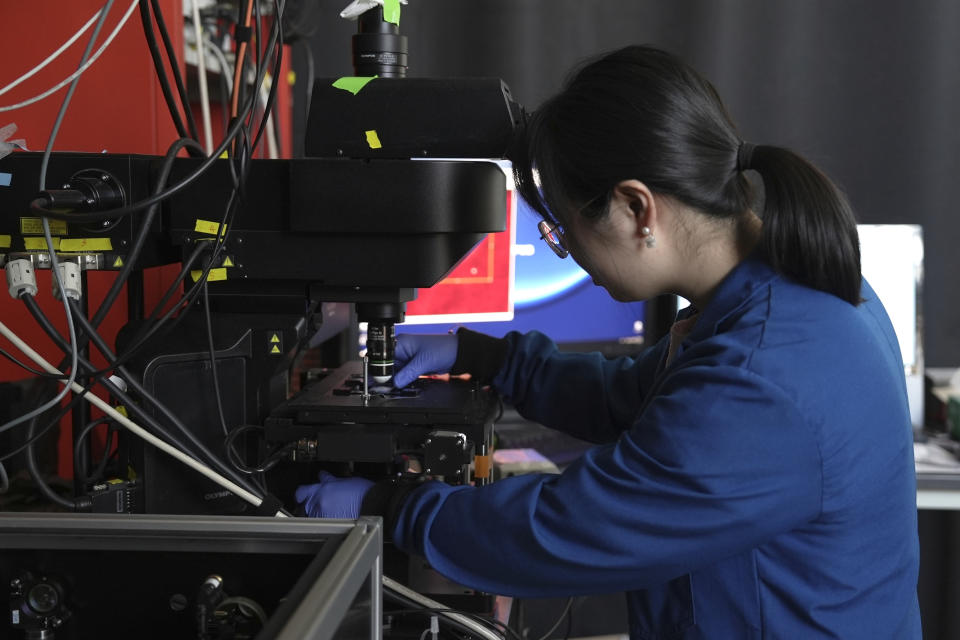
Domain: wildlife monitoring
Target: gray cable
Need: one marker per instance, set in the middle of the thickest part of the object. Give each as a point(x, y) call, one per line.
point(556, 625)
point(54, 264)
point(311, 73)
point(221, 60)
point(83, 67)
point(4, 479)
point(66, 99)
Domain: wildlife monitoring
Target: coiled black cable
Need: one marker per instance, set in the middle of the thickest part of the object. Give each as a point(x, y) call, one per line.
point(161, 73)
point(198, 446)
point(38, 206)
point(194, 449)
point(175, 69)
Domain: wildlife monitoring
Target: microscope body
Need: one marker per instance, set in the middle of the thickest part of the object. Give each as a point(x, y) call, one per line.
point(397, 187)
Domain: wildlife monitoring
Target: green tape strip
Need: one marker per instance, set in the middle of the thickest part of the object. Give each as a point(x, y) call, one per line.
point(353, 84)
point(391, 11)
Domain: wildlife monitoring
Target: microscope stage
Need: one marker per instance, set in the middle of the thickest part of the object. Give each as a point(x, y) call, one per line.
point(338, 398)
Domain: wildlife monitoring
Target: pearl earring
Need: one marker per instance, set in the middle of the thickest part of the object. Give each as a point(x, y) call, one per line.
point(648, 237)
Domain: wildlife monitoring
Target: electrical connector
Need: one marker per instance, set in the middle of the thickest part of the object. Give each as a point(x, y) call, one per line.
point(21, 278)
point(87, 190)
point(118, 382)
point(70, 277)
point(115, 496)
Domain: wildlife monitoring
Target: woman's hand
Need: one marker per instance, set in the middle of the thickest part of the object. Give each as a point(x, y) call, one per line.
point(418, 355)
point(333, 497)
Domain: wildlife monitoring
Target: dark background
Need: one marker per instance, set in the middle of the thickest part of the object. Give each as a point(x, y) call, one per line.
point(867, 90)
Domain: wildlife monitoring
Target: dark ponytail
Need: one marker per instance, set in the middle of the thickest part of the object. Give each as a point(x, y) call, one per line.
point(641, 113)
point(809, 232)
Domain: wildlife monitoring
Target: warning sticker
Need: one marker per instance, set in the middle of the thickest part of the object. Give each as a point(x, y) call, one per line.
point(274, 343)
point(34, 227)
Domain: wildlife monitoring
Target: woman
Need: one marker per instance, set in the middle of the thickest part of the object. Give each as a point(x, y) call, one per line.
point(754, 474)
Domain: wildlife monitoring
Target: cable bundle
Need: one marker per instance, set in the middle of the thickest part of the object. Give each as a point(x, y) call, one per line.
point(242, 136)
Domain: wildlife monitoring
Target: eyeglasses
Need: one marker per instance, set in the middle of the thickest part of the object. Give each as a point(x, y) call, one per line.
point(552, 234)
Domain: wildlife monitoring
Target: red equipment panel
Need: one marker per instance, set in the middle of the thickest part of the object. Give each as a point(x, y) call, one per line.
point(118, 107)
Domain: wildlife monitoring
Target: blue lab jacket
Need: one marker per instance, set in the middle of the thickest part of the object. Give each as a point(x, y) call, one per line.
point(760, 485)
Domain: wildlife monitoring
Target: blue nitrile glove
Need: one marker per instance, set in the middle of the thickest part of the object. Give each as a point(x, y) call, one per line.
point(417, 355)
point(333, 497)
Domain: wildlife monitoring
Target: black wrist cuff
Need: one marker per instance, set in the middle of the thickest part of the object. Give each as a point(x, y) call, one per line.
point(385, 499)
point(269, 507)
point(480, 355)
point(242, 34)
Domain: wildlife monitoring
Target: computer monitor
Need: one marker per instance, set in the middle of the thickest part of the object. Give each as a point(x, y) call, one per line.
point(547, 294)
point(891, 258)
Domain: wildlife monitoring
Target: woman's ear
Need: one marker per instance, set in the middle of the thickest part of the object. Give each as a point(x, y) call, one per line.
point(639, 202)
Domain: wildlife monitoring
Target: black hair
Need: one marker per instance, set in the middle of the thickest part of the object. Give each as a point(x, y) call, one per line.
point(641, 113)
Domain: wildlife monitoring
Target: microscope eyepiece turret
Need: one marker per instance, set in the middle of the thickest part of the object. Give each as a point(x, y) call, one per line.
point(378, 47)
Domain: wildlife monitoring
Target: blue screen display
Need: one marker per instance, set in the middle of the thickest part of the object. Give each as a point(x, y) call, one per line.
point(554, 296)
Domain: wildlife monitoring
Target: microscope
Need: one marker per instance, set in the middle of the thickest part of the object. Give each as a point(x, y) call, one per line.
point(396, 187)
point(395, 190)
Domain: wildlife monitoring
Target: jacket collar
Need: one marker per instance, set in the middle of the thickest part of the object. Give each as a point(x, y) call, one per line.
point(752, 274)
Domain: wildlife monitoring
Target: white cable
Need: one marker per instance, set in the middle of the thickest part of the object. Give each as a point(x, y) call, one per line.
point(221, 60)
point(272, 139)
point(273, 151)
point(84, 67)
point(134, 427)
point(53, 56)
point(424, 601)
point(202, 78)
point(4, 479)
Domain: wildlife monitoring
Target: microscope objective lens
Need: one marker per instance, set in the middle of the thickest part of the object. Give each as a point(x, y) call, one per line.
point(381, 343)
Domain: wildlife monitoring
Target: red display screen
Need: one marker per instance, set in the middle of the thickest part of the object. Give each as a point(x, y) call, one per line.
point(480, 287)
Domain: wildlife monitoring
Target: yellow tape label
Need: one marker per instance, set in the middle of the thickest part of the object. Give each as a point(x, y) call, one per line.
point(34, 227)
point(214, 275)
point(5, 242)
point(86, 244)
point(373, 140)
point(211, 228)
point(40, 244)
point(353, 84)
